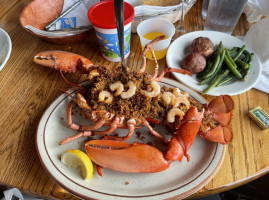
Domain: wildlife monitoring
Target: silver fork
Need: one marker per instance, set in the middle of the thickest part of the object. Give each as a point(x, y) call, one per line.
point(119, 13)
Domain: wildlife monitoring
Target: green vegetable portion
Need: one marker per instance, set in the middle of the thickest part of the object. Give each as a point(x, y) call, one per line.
point(225, 66)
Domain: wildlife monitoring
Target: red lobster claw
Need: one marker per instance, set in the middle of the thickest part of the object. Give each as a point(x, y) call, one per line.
point(64, 61)
point(219, 109)
point(125, 157)
point(185, 135)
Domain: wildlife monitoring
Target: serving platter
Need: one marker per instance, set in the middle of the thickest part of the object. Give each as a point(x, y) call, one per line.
point(178, 181)
point(181, 47)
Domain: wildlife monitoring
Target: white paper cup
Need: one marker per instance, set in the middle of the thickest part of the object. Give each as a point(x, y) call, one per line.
point(156, 25)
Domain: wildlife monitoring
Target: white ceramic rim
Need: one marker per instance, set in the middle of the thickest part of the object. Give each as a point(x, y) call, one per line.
point(9, 49)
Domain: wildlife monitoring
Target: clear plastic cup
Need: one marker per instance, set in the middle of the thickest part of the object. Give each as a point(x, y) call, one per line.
point(223, 15)
point(102, 16)
point(204, 8)
point(156, 25)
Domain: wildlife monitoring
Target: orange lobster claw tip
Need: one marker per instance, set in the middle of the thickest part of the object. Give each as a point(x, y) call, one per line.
point(222, 104)
point(175, 150)
point(219, 134)
point(125, 157)
point(63, 61)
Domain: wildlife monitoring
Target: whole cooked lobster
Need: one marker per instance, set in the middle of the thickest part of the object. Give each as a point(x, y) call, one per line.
point(132, 100)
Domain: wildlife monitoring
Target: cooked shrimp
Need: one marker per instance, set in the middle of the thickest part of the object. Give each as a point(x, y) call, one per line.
point(105, 97)
point(173, 113)
point(156, 89)
point(118, 87)
point(130, 92)
point(93, 73)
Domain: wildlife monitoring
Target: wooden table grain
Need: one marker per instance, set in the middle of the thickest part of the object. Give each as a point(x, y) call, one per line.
point(27, 89)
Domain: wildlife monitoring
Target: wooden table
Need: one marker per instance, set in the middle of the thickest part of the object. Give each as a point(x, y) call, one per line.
point(27, 89)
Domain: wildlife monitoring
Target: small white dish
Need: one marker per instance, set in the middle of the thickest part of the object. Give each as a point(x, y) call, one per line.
point(180, 48)
point(5, 48)
point(178, 181)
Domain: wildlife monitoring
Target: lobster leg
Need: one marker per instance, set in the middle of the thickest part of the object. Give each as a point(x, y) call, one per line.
point(155, 133)
point(69, 117)
point(147, 47)
point(131, 126)
point(64, 61)
point(113, 126)
point(88, 130)
point(166, 70)
point(74, 137)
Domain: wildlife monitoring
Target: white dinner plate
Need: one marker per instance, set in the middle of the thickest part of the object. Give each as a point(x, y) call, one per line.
point(181, 48)
point(179, 180)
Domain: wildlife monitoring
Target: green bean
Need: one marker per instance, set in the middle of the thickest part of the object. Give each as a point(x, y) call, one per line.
point(220, 64)
point(245, 52)
point(223, 71)
point(207, 80)
point(246, 58)
point(231, 65)
point(247, 55)
point(248, 69)
point(230, 58)
point(226, 79)
point(212, 85)
point(220, 47)
point(239, 52)
point(232, 50)
point(213, 69)
point(222, 54)
point(242, 63)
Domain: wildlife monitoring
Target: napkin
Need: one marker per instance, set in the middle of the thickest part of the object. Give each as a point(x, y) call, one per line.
point(77, 17)
point(257, 38)
point(15, 194)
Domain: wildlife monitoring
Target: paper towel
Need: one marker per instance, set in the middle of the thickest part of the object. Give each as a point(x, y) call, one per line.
point(258, 39)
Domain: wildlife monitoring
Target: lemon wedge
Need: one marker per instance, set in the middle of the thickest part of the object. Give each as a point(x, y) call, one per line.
point(77, 159)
